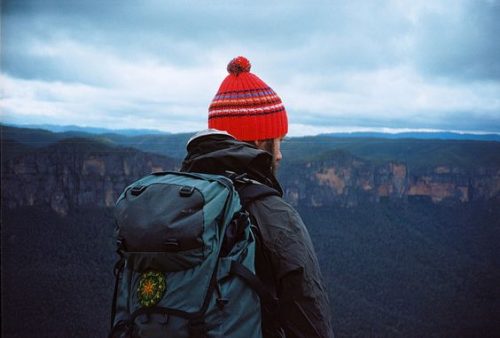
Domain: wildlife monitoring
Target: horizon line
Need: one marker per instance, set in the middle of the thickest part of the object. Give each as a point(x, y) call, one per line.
point(313, 131)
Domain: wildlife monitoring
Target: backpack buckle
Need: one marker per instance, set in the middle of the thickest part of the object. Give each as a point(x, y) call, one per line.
point(172, 244)
point(124, 328)
point(120, 245)
point(136, 191)
point(241, 178)
point(221, 302)
point(186, 191)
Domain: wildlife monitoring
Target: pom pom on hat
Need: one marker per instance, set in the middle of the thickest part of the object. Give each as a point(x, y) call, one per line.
point(246, 107)
point(239, 65)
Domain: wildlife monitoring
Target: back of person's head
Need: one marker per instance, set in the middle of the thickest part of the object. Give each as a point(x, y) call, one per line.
point(246, 107)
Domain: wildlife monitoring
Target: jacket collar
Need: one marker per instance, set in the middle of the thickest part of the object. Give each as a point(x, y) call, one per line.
point(212, 151)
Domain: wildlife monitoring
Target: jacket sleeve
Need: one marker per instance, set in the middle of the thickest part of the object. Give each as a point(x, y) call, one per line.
point(304, 306)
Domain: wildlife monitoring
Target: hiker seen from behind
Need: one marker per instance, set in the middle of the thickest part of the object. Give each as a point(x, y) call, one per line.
point(214, 250)
point(255, 120)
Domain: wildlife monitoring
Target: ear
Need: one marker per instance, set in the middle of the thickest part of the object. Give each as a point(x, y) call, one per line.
point(259, 143)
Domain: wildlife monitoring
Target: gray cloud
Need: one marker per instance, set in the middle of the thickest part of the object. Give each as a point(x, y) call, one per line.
point(424, 64)
point(465, 46)
point(314, 37)
point(444, 121)
point(317, 37)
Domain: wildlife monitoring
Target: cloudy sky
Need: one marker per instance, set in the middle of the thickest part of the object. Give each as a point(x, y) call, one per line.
point(337, 65)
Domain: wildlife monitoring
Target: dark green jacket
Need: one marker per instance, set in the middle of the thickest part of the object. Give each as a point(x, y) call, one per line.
point(286, 261)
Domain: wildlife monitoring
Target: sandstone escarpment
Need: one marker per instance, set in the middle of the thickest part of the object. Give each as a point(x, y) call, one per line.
point(347, 180)
point(73, 174)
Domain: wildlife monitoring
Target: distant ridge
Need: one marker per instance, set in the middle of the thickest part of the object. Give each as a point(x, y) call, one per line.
point(419, 135)
point(90, 130)
point(423, 135)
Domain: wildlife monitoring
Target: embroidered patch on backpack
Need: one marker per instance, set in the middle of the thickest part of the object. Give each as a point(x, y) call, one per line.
point(152, 287)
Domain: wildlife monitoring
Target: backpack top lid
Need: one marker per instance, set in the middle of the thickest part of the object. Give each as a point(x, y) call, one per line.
point(174, 213)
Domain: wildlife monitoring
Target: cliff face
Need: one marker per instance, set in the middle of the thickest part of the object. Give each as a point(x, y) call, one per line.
point(346, 180)
point(71, 174)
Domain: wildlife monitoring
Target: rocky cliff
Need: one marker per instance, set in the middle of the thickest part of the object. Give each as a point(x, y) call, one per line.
point(80, 172)
point(73, 173)
point(347, 180)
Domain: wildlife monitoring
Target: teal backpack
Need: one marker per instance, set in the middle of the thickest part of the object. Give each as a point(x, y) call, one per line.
point(186, 266)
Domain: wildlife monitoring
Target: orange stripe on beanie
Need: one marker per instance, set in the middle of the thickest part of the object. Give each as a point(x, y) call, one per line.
point(246, 107)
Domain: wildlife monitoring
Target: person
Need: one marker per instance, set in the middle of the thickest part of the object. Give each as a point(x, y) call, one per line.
point(247, 122)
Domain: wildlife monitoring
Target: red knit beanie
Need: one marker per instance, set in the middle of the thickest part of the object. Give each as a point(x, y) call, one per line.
point(246, 107)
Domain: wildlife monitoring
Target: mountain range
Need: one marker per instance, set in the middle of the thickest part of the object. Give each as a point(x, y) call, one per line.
point(89, 130)
point(318, 171)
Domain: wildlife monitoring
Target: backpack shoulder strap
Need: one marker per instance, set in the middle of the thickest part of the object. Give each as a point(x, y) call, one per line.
point(252, 191)
point(249, 192)
point(268, 300)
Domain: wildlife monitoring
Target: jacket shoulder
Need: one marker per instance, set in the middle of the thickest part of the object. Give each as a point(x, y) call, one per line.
point(284, 234)
point(303, 296)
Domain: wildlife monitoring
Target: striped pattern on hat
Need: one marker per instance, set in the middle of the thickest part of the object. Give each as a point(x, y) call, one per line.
point(246, 107)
